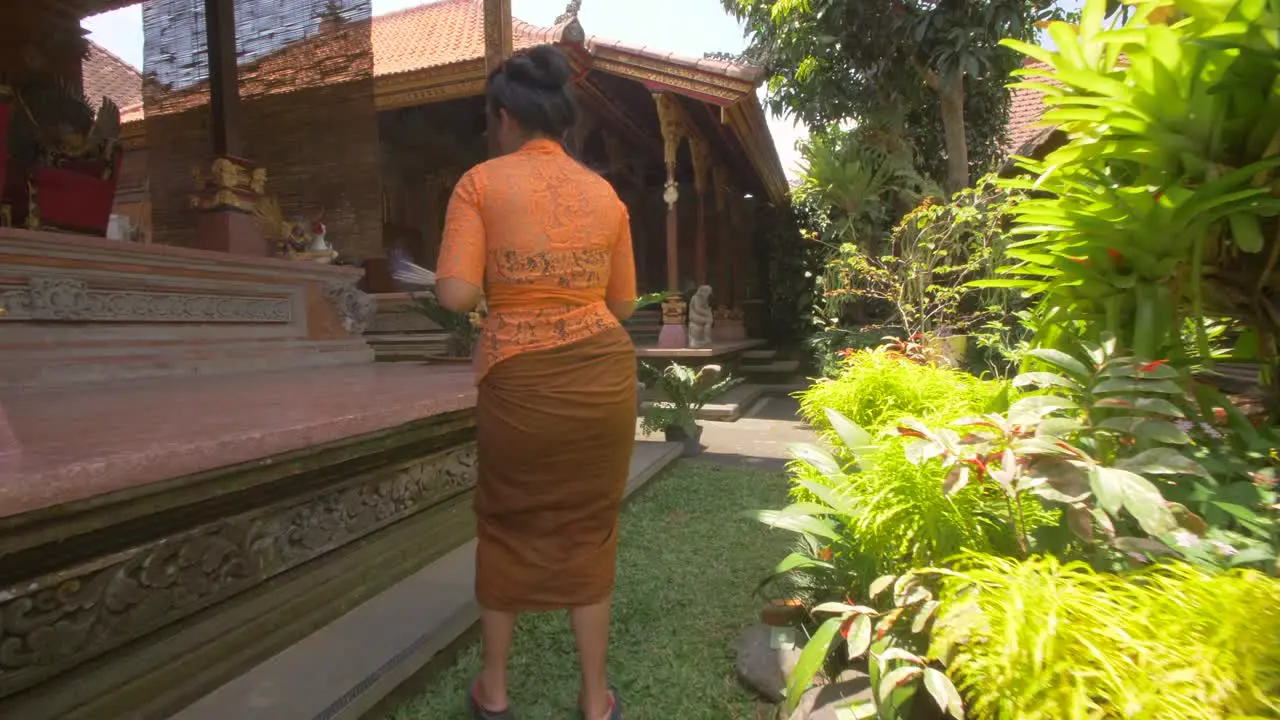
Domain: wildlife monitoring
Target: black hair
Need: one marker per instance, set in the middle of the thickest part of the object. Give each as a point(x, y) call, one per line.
point(533, 87)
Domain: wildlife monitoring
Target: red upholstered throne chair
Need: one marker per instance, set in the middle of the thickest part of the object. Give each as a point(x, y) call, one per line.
point(77, 195)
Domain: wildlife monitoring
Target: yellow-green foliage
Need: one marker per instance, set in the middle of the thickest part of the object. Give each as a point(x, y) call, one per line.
point(904, 519)
point(1038, 640)
point(875, 390)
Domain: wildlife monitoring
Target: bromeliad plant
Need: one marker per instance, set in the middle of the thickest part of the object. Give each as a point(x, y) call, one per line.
point(1162, 205)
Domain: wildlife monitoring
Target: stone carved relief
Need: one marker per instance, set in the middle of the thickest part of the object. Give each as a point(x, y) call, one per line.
point(356, 308)
point(67, 300)
point(62, 619)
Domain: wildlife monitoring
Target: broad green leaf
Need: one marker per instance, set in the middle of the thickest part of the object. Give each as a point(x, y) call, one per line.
point(1158, 406)
point(811, 660)
point(1062, 361)
point(833, 497)
point(1162, 431)
point(1031, 409)
point(861, 711)
point(797, 561)
point(1044, 379)
point(859, 637)
point(803, 524)
point(1115, 489)
point(1246, 232)
point(855, 439)
point(1120, 385)
point(944, 693)
point(844, 609)
point(1162, 461)
point(816, 457)
point(897, 678)
point(926, 613)
point(881, 584)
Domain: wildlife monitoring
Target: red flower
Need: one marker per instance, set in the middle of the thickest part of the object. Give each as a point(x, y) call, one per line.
point(826, 554)
point(1115, 256)
point(1151, 366)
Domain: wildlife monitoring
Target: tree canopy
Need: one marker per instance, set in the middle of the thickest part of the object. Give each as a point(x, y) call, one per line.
point(931, 72)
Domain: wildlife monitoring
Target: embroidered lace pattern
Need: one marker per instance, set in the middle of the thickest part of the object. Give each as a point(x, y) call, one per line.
point(548, 241)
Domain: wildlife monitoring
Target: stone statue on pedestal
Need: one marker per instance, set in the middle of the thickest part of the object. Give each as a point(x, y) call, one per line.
point(701, 318)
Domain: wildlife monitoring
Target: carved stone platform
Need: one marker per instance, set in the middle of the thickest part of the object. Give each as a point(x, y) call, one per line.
point(160, 537)
point(82, 309)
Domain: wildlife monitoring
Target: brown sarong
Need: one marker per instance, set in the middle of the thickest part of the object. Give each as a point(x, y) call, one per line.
point(555, 430)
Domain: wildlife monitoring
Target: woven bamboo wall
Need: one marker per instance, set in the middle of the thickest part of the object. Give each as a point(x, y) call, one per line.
point(306, 86)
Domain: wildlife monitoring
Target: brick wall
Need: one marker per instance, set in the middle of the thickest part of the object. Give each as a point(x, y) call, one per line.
point(320, 149)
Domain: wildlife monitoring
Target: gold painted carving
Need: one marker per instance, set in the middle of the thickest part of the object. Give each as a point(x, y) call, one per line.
point(673, 310)
point(59, 620)
point(230, 184)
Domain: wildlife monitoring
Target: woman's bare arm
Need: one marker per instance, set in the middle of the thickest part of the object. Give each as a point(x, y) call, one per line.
point(457, 295)
point(622, 310)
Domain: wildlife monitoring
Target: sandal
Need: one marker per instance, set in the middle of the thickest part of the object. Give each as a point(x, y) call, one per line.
point(479, 712)
point(615, 706)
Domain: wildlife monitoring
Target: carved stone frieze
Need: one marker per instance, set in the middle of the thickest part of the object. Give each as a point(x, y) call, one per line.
point(54, 622)
point(68, 300)
point(355, 307)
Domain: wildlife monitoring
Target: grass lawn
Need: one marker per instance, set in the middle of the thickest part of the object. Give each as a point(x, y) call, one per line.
point(687, 566)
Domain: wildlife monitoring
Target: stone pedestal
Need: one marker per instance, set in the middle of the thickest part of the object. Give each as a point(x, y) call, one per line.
point(673, 334)
point(230, 231)
point(226, 199)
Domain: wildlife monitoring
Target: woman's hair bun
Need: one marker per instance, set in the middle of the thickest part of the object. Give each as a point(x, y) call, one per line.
point(543, 67)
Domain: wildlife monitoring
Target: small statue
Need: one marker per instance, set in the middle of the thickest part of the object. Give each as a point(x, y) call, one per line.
point(297, 238)
point(701, 318)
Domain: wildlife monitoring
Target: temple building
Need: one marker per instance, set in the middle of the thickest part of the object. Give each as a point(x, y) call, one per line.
point(652, 120)
point(214, 503)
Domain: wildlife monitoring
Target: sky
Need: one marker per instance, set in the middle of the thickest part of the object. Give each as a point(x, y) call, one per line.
point(688, 27)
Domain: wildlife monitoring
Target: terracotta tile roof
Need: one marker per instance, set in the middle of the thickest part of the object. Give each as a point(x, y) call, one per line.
point(451, 32)
point(439, 34)
point(1026, 106)
point(106, 75)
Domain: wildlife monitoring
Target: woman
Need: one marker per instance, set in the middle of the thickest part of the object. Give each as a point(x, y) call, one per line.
point(547, 244)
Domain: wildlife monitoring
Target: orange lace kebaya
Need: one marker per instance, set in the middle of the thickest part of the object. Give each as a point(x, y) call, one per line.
point(550, 244)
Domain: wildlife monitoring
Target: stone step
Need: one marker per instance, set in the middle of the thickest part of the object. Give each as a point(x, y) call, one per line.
point(753, 356)
point(726, 408)
point(776, 367)
point(344, 670)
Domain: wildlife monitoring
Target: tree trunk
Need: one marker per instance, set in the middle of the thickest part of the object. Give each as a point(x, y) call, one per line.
point(951, 94)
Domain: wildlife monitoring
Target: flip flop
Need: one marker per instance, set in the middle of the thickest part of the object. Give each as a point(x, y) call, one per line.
point(615, 706)
point(479, 712)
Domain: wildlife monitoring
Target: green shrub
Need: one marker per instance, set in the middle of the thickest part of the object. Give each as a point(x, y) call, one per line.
point(1041, 640)
point(875, 389)
point(885, 513)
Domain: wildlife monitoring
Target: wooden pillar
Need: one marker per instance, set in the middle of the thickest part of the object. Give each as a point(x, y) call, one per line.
point(231, 191)
point(224, 88)
point(701, 171)
point(497, 48)
point(673, 133)
point(673, 333)
point(723, 240)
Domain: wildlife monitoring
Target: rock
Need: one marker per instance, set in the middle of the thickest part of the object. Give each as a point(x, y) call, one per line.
point(822, 702)
point(763, 667)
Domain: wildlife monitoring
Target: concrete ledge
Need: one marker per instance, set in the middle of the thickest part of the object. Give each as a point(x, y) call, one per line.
point(343, 670)
point(716, 350)
point(728, 407)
